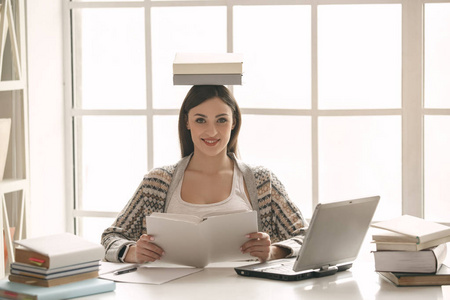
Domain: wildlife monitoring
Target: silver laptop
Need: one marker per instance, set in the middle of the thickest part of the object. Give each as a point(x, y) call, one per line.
point(331, 244)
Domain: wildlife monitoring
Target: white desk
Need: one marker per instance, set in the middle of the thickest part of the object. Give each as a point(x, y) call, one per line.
point(220, 281)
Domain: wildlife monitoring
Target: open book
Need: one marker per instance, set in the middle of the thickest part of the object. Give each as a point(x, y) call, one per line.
point(193, 241)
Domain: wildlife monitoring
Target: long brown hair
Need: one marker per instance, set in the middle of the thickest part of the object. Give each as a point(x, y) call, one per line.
point(196, 96)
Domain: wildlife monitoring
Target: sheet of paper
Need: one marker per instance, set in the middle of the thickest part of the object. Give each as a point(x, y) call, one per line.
point(446, 292)
point(109, 267)
point(148, 274)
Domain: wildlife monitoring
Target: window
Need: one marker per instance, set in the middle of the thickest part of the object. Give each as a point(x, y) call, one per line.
point(331, 100)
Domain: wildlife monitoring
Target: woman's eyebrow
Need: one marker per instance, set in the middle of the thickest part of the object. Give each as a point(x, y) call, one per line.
point(201, 115)
point(205, 116)
point(222, 115)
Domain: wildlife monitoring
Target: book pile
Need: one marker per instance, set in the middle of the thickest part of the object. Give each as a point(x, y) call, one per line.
point(207, 69)
point(411, 251)
point(49, 267)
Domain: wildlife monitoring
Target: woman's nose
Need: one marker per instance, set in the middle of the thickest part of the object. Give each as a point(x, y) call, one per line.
point(211, 130)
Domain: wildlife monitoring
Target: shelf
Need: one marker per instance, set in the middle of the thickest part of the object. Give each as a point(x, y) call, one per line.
point(12, 85)
point(13, 185)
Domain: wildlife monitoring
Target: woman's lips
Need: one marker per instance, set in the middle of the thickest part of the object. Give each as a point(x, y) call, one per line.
point(210, 142)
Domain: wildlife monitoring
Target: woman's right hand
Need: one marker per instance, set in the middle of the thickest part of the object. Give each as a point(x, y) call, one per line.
point(144, 251)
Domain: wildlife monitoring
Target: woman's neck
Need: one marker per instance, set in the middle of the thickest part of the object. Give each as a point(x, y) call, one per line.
point(210, 164)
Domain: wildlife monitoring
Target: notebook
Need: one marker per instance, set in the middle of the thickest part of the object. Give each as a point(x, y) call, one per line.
point(331, 244)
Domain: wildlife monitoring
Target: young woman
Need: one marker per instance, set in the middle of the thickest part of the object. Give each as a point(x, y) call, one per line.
point(209, 178)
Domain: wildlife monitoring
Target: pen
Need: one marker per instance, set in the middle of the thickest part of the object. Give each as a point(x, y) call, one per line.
point(125, 271)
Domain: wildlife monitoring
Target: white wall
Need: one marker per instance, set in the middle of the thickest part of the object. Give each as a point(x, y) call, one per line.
point(46, 117)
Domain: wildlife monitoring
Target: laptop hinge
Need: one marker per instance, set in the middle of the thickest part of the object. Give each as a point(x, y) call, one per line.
point(325, 271)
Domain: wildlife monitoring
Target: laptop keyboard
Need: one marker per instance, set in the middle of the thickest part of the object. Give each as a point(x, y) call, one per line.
point(285, 268)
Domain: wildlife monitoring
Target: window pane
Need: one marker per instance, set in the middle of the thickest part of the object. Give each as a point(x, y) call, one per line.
point(182, 29)
point(92, 228)
point(359, 56)
point(437, 168)
point(109, 54)
point(111, 162)
point(276, 43)
point(166, 149)
point(282, 144)
point(361, 156)
point(437, 58)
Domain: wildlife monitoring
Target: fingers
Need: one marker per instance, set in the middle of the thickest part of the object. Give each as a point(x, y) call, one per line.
point(146, 250)
point(258, 245)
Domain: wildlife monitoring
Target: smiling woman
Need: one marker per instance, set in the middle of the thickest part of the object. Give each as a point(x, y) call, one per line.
point(208, 180)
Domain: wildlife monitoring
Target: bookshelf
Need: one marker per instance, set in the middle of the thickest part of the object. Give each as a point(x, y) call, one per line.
point(14, 188)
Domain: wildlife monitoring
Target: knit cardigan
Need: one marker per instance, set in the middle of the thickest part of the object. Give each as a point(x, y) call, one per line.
point(277, 215)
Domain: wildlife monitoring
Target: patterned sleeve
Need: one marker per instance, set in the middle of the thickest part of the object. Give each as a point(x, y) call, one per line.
point(289, 226)
point(130, 224)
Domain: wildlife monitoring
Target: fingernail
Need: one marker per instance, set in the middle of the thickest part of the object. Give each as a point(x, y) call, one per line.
point(152, 238)
point(247, 235)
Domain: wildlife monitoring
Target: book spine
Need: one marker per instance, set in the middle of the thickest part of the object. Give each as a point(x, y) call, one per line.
point(207, 79)
point(214, 68)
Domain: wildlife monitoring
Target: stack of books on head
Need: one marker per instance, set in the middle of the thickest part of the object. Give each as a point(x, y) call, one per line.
point(55, 267)
point(208, 69)
point(410, 251)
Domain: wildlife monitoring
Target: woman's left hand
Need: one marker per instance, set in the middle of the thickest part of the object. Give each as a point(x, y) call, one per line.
point(260, 246)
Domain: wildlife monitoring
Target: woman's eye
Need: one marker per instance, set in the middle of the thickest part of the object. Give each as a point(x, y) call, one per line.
point(200, 120)
point(222, 120)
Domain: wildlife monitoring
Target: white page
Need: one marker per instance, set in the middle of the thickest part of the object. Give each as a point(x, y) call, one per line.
point(218, 238)
point(149, 274)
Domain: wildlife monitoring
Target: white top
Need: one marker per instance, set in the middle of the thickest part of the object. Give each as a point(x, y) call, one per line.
point(236, 201)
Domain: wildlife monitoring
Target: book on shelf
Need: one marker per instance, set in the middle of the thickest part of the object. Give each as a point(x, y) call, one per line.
point(207, 79)
point(411, 230)
point(44, 273)
point(193, 241)
point(425, 261)
point(208, 63)
point(14, 290)
point(441, 277)
point(31, 280)
point(57, 250)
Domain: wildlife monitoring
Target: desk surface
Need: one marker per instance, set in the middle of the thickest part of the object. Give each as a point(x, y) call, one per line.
point(221, 282)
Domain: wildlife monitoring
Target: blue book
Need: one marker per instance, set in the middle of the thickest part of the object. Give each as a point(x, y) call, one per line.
point(13, 290)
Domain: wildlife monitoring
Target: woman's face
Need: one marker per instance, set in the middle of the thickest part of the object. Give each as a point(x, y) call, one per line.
point(210, 124)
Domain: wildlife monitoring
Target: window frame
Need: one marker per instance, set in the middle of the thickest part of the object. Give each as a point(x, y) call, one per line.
point(412, 111)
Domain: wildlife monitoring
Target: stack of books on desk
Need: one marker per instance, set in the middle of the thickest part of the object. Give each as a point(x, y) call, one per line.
point(53, 265)
point(411, 251)
point(208, 69)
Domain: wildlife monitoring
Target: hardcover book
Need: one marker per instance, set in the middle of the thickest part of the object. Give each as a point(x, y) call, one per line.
point(208, 63)
point(31, 280)
point(14, 290)
point(57, 250)
point(425, 261)
point(44, 273)
point(412, 229)
point(442, 277)
point(207, 79)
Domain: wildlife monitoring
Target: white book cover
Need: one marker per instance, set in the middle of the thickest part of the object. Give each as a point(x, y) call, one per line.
point(64, 249)
point(208, 63)
point(192, 241)
point(422, 230)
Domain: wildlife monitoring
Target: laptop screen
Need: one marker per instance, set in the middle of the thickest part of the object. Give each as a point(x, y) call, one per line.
point(336, 233)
